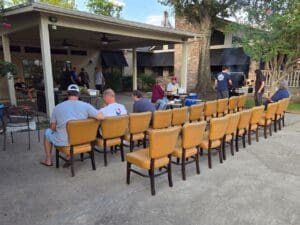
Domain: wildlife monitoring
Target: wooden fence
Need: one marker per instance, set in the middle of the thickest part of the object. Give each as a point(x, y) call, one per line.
point(292, 78)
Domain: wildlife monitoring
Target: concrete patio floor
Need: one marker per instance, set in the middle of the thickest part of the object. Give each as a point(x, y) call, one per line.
point(258, 185)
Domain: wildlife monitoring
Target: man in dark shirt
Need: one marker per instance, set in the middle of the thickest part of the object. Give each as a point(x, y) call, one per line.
point(221, 83)
point(141, 104)
point(259, 87)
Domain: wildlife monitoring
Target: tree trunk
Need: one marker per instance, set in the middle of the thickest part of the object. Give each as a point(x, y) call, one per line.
point(204, 84)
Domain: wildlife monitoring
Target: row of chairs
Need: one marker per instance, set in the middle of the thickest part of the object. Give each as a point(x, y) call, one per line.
point(135, 127)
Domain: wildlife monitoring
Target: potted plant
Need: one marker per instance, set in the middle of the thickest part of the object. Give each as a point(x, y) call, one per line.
point(7, 67)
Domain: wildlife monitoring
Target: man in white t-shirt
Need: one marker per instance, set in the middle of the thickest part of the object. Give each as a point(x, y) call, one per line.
point(173, 86)
point(112, 108)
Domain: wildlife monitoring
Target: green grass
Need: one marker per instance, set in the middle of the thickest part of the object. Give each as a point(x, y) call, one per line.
point(294, 107)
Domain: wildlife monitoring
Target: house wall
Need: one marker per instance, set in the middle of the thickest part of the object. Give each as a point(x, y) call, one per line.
point(89, 62)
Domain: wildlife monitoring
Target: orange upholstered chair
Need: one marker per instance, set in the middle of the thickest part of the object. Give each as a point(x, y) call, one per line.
point(138, 125)
point(162, 144)
point(256, 115)
point(196, 112)
point(233, 120)
point(222, 107)
point(232, 104)
point(210, 110)
point(192, 135)
point(242, 128)
point(241, 102)
point(267, 118)
point(179, 116)
point(214, 138)
point(279, 113)
point(286, 104)
point(81, 136)
point(162, 119)
point(113, 130)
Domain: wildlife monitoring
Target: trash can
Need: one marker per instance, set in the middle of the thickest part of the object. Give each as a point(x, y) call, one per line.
point(190, 99)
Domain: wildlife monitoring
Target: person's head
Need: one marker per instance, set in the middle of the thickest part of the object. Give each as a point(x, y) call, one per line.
point(258, 72)
point(282, 84)
point(109, 96)
point(73, 91)
point(79, 78)
point(174, 80)
point(74, 68)
point(137, 95)
point(225, 69)
point(82, 69)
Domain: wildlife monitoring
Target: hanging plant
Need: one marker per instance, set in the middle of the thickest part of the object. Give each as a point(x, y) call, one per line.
point(7, 67)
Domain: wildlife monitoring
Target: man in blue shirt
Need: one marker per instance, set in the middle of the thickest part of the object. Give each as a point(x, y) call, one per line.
point(141, 104)
point(72, 109)
point(281, 93)
point(221, 83)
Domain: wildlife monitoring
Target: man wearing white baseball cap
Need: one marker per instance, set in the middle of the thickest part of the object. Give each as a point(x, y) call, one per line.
point(71, 109)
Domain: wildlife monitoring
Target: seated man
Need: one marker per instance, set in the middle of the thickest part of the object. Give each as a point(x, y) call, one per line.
point(112, 108)
point(281, 93)
point(158, 96)
point(72, 109)
point(141, 104)
point(21, 86)
point(173, 86)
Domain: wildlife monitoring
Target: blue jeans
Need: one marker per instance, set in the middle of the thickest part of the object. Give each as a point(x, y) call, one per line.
point(161, 104)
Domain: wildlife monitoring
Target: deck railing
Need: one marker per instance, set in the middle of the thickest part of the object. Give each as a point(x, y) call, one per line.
point(292, 78)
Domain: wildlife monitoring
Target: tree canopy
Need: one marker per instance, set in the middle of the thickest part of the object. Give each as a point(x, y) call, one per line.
point(104, 7)
point(70, 4)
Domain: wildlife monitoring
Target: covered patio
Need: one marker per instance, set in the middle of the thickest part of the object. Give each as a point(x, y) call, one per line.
point(53, 29)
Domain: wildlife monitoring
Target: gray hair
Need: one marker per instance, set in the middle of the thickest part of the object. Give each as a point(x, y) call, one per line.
point(282, 84)
point(109, 92)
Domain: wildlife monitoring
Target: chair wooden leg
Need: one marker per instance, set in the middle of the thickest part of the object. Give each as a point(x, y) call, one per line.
point(283, 123)
point(128, 173)
point(221, 152)
point(249, 137)
point(105, 153)
point(231, 146)
point(236, 143)
point(197, 162)
point(169, 172)
point(144, 141)
point(81, 157)
point(72, 162)
point(270, 129)
point(209, 158)
point(183, 165)
point(57, 158)
point(279, 123)
point(244, 140)
point(275, 124)
point(178, 160)
point(224, 148)
point(122, 150)
point(151, 174)
point(201, 151)
point(256, 133)
point(131, 143)
point(265, 131)
point(92, 156)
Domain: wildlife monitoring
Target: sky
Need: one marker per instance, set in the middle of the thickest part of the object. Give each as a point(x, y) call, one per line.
point(144, 11)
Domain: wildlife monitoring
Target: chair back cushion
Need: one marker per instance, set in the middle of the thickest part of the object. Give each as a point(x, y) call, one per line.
point(113, 127)
point(244, 119)
point(196, 112)
point(233, 120)
point(162, 142)
point(192, 134)
point(222, 105)
point(210, 108)
point(256, 115)
point(179, 116)
point(242, 100)
point(271, 109)
point(280, 107)
point(286, 103)
point(217, 128)
point(233, 102)
point(139, 122)
point(162, 119)
point(82, 131)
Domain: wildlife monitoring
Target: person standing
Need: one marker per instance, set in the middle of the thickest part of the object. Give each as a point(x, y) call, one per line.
point(73, 75)
point(141, 104)
point(222, 83)
point(99, 79)
point(84, 77)
point(259, 87)
point(72, 109)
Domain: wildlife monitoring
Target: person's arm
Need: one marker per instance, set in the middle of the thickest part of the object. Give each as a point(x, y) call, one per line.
point(99, 116)
point(261, 87)
point(53, 126)
point(216, 83)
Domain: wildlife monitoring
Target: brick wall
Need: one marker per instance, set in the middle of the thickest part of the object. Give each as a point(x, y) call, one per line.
point(193, 53)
